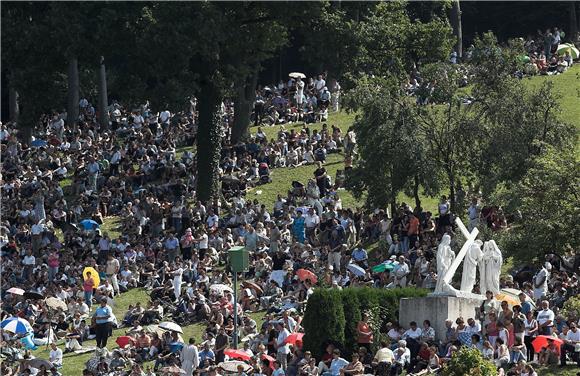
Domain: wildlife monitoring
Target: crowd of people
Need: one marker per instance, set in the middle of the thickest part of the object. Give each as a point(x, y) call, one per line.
point(62, 270)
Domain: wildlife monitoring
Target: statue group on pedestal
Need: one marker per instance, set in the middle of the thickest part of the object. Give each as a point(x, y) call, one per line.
point(488, 261)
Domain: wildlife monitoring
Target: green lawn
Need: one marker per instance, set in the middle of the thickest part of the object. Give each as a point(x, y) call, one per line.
point(73, 364)
point(568, 86)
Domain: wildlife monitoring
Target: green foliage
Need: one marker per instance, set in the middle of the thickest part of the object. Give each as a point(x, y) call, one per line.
point(389, 151)
point(571, 308)
point(324, 320)
point(547, 197)
point(468, 361)
point(342, 310)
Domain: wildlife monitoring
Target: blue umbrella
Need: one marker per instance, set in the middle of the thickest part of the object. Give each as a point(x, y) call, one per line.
point(38, 143)
point(16, 325)
point(357, 270)
point(89, 224)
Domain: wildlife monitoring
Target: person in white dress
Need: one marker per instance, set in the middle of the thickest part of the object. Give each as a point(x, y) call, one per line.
point(177, 278)
point(189, 357)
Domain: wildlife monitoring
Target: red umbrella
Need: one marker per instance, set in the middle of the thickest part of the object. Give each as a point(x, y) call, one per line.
point(304, 274)
point(237, 354)
point(294, 337)
point(543, 341)
point(269, 359)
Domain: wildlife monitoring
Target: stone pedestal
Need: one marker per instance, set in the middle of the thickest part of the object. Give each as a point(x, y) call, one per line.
point(437, 309)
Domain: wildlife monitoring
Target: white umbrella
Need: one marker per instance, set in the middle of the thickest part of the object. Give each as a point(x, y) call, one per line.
point(56, 303)
point(220, 288)
point(232, 366)
point(297, 75)
point(15, 291)
point(568, 47)
point(16, 325)
point(357, 270)
point(171, 326)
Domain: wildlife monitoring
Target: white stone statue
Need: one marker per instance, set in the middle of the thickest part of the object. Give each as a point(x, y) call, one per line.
point(472, 258)
point(445, 257)
point(490, 267)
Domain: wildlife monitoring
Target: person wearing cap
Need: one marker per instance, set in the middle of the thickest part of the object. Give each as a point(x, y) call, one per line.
point(103, 317)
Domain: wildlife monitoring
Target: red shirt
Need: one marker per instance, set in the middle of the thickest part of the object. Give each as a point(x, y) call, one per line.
point(88, 285)
point(364, 328)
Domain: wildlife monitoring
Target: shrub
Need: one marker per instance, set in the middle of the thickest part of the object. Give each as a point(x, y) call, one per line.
point(326, 308)
point(323, 321)
point(571, 308)
point(352, 315)
point(468, 361)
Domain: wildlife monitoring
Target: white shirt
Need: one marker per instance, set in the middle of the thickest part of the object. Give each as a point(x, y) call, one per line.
point(212, 220)
point(574, 337)
point(203, 243)
point(410, 333)
point(29, 260)
point(164, 116)
point(56, 356)
point(285, 349)
point(311, 220)
point(545, 315)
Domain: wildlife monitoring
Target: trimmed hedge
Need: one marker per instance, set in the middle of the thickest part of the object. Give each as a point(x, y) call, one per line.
point(332, 315)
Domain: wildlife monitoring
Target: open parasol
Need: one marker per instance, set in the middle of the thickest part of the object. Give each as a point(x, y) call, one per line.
point(94, 276)
point(15, 291)
point(237, 354)
point(232, 366)
point(296, 75)
point(543, 341)
point(356, 270)
point(33, 295)
point(171, 326)
point(37, 363)
point(56, 303)
point(173, 370)
point(220, 288)
point(304, 274)
point(253, 286)
point(294, 337)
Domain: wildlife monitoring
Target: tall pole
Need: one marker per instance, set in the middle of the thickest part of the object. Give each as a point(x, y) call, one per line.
point(235, 310)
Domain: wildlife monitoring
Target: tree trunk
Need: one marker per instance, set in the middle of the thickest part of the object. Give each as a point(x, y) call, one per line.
point(455, 20)
point(573, 27)
point(208, 140)
point(13, 108)
point(72, 115)
point(103, 98)
point(416, 192)
point(243, 103)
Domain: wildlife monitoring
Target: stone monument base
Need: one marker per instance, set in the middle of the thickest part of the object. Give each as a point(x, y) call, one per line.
point(437, 309)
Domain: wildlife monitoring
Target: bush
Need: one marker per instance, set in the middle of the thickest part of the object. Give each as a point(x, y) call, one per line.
point(468, 361)
point(571, 308)
point(326, 308)
point(323, 321)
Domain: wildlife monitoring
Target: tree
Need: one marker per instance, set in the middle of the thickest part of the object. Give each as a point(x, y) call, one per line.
point(546, 198)
point(387, 142)
point(455, 18)
point(447, 126)
point(318, 333)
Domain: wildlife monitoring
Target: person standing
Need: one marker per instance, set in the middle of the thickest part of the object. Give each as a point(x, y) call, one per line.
point(530, 333)
point(112, 269)
point(364, 332)
point(88, 286)
point(545, 319)
point(177, 278)
point(282, 348)
point(541, 282)
point(103, 318)
point(189, 357)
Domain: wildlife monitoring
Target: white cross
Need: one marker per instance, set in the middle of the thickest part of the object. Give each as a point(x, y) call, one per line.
point(470, 238)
